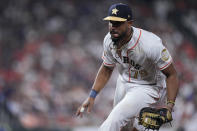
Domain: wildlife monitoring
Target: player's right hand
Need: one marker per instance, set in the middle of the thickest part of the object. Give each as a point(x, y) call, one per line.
point(87, 105)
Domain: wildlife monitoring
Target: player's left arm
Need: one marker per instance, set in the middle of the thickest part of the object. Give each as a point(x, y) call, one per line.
point(161, 56)
point(172, 85)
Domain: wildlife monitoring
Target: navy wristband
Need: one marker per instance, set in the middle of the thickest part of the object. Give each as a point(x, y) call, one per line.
point(93, 93)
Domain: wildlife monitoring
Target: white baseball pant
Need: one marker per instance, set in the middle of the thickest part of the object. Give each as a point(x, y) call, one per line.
point(128, 101)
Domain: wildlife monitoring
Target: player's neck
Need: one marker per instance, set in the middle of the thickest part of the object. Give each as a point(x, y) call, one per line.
point(129, 35)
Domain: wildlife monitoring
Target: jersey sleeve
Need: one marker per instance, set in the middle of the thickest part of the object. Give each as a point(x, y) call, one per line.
point(108, 59)
point(161, 56)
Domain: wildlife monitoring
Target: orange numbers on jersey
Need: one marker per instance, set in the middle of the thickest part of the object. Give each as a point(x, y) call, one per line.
point(137, 74)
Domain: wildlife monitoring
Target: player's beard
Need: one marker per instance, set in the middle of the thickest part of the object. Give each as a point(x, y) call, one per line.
point(118, 39)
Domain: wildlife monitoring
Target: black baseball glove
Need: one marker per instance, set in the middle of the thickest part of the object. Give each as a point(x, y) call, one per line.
point(152, 118)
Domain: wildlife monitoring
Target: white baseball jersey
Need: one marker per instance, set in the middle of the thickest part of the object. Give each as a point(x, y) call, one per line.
point(143, 58)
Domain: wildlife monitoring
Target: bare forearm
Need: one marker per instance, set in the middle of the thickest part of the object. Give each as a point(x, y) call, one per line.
point(102, 78)
point(172, 87)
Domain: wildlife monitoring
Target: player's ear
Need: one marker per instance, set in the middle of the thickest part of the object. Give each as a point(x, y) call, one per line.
point(130, 23)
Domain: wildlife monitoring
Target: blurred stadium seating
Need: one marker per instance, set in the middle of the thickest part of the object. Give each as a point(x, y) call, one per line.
point(50, 51)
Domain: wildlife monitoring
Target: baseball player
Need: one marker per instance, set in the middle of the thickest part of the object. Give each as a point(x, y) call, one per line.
point(146, 73)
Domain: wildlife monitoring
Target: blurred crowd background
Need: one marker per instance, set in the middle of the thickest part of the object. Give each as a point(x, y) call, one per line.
point(50, 51)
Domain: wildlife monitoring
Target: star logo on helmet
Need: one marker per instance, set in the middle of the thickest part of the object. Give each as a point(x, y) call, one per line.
point(114, 11)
